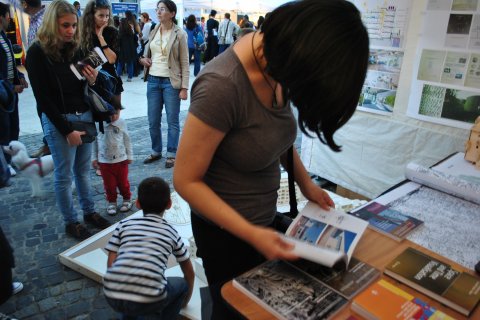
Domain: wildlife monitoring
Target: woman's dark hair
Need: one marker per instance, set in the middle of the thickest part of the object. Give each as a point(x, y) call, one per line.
point(145, 16)
point(124, 27)
point(191, 22)
point(318, 51)
point(153, 195)
point(171, 6)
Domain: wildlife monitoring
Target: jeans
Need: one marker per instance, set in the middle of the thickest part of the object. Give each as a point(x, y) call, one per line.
point(196, 62)
point(160, 92)
point(68, 161)
point(222, 47)
point(130, 66)
point(9, 127)
point(167, 308)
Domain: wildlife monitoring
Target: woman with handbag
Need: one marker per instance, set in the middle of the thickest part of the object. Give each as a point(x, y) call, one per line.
point(167, 72)
point(66, 117)
point(97, 30)
point(233, 142)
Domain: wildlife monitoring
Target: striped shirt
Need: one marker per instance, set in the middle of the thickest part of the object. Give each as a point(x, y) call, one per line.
point(10, 63)
point(143, 246)
point(35, 22)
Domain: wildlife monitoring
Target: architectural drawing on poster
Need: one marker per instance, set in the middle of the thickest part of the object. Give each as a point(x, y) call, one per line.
point(446, 87)
point(386, 22)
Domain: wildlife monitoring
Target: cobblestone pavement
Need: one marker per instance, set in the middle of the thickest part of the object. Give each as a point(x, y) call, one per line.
point(36, 231)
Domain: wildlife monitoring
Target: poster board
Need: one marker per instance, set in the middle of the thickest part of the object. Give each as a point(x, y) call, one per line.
point(377, 148)
point(446, 80)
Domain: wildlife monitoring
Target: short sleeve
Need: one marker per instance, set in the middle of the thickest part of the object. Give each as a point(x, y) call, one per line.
point(114, 243)
point(180, 251)
point(213, 101)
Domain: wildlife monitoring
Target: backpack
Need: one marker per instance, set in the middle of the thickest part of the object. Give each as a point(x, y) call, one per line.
point(199, 39)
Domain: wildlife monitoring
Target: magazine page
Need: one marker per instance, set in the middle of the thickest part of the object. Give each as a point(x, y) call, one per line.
point(445, 182)
point(95, 58)
point(326, 237)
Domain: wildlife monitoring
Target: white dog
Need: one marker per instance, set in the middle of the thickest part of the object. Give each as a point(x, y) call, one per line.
point(32, 168)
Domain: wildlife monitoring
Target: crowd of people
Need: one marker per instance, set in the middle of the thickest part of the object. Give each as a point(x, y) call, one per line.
point(238, 130)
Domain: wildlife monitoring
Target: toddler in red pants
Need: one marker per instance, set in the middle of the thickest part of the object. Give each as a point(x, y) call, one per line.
point(112, 153)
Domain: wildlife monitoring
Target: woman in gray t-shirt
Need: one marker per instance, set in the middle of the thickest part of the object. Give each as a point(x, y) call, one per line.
point(240, 124)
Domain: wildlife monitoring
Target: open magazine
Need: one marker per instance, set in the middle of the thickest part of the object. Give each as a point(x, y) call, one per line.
point(325, 237)
point(95, 58)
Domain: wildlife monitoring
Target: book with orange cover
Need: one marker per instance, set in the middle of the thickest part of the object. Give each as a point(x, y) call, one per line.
point(383, 300)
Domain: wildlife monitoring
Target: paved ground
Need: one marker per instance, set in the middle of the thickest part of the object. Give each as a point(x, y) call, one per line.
point(36, 232)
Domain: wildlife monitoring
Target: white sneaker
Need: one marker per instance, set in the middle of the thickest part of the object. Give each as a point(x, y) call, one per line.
point(112, 208)
point(13, 173)
point(17, 287)
point(126, 206)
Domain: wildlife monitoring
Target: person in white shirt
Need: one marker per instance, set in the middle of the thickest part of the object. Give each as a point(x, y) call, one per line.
point(147, 27)
point(112, 153)
point(226, 33)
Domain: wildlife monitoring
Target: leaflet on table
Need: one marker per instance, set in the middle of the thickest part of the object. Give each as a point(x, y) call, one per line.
point(326, 237)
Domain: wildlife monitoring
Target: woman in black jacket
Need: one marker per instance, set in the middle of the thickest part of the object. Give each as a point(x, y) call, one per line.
point(60, 99)
point(97, 30)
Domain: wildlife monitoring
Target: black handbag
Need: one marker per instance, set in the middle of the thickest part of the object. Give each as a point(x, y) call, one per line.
point(283, 219)
point(89, 128)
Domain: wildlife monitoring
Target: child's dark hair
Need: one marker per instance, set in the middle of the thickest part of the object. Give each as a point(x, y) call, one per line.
point(153, 195)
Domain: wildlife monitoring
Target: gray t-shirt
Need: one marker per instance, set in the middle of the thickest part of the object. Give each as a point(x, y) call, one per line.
point(245, 169)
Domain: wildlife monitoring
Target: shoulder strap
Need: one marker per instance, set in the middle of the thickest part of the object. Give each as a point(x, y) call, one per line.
point(291, 184)
point(225, 35)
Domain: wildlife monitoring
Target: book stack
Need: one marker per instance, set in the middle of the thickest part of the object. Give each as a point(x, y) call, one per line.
point(457, 290)
point(304, 290)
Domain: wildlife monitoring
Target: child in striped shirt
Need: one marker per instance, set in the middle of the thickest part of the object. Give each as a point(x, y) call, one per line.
point(138, 251)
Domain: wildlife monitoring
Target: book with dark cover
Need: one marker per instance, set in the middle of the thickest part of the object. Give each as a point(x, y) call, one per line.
point(387, 221)
point(385, 301)
point(288, 293)
point(95, 58)
point(457, 290)
point(346, 282)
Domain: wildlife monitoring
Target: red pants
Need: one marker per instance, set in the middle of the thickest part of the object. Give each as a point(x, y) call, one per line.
point(115, 175)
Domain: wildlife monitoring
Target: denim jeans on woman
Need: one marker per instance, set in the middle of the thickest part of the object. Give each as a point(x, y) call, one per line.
point(167, 308)
point(196, 62)
point(70, 160)
point(160, 92)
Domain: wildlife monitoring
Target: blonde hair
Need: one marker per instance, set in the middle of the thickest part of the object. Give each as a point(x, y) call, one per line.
point(87, 22)
point(48, 32)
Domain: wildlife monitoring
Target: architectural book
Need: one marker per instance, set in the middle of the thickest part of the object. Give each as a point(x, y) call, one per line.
point(457, 290)
point(95, 58)
point(347, 282)
point(289, 293)
point(387, 221)
point(383, 300)
point(325, 237)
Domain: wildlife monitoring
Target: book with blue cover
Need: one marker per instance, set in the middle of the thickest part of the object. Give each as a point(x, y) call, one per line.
point(386, 220)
